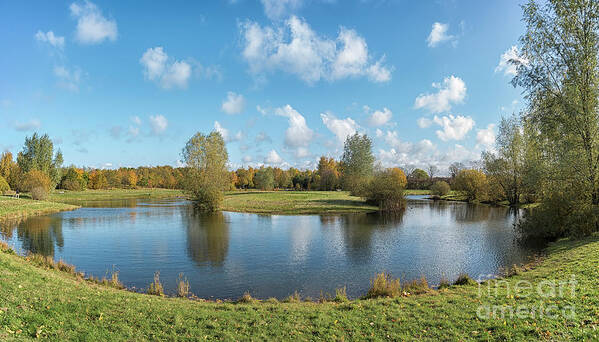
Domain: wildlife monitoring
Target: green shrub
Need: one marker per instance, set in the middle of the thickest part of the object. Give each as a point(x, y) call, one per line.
point(383, 285)
point(440, 188)
point(38, 183)
point(464, 279)
point(386, 191)
point(444, 283)
point(473, 183)
point(3, 185)
point(341, 295)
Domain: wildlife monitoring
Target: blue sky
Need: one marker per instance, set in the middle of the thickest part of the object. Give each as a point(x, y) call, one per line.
point(120, 83)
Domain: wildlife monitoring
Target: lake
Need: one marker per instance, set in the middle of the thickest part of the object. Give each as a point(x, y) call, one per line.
point(226, 254)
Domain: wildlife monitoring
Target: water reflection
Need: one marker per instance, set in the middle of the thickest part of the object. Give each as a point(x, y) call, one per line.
point(37, 235)
point(207, 236)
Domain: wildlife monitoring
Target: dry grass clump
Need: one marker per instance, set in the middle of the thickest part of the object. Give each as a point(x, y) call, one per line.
point(341, 295)
point(383, 285)
point(247, 298)
point(293, 298)
point(417, 286)
point(156, 288)
point(182, 286)
point(464, 279)
point(444, 283)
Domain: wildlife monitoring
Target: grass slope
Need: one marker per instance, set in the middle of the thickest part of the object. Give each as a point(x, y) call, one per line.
point(15, 208)
point(36, 302)
point(294, 202)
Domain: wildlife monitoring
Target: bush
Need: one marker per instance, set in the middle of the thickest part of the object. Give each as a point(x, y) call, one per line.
point(386, 191)
point(440, 188)
point(383, 285)
point(38, 183)
point(264, 179)
point(156, 288)
point(3, 185)
point(473, 183)
point(559, 216)
point(464, 279)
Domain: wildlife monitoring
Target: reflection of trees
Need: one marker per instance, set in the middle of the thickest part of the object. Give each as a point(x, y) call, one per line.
point(358, 230)
point(207, 236)
point(37, 234)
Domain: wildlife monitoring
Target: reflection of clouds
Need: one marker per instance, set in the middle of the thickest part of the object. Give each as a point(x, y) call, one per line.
point(301, 237)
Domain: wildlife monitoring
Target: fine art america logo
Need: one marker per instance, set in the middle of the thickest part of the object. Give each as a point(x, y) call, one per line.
point(529, 300)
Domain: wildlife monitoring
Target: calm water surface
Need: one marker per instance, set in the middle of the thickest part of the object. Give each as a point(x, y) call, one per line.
point(226, 254)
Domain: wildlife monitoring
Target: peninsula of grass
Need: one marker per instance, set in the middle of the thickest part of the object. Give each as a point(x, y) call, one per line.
point(64, 196)
point(17, 208)
point(295, 202)
point(55, 305)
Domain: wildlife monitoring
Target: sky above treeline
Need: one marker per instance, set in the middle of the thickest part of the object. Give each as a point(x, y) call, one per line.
point(126, 84)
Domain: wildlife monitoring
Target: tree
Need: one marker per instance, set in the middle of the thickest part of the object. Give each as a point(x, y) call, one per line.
point(358, 163)
point(73, 180)
point(432, 170)
point(454, 168)
point(506, 167)
point(97, 180)
point(385, 190)
point(399, 176)
point(473, 183)
point(329, 174)
point(38, 154)
point(244, 179)
point(37, 183)
point(207, 158)
point(440, 188)
point(3, 185)
point(418, 178)
point(264, 179)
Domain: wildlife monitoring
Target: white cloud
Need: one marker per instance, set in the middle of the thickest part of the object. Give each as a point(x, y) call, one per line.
point(454, 127)
point(277, 9)
point(262, 136)
point(295, 48)
point(439, 35)
point(68, 79)
point(424, 122)
point(159, 123)
point(50, 38)
point(227, 137)
point(92, 26)
point(234, 104)
point(342, 128)
point(298, 135)
point(486, 137)
point(136, 120)
point(510, 60)
point(453, 90)
point(273, 158)
point(168, 74)
point(380, 117)
point(28, 126)
point(246, 159)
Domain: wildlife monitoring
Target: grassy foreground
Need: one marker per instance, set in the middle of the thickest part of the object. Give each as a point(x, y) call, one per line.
point(16, 208)
point(294, 202)
point(37, 302)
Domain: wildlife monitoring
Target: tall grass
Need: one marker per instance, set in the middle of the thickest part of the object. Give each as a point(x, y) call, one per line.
point(156, 288)
point(417, 286)
point(182, 286)
point(383, 285)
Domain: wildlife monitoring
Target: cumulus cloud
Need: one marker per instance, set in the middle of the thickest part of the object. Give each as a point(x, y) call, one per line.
point(277, 9)
point(68, 78)
point(227, 136)
point(424, 122)
point(262, 137)
point(298, 135)
point(158, 123)
point(30, 125)
point(451, 91)
point(273, 158)
point(341, 128)
point(297, 49)
point(486, 137)
point(380, 117)
point(234, 104)
point(439, 35)
point(160, 69)
point(454, 127)
point(510, 60)
point(50, 38)
point(92, 26)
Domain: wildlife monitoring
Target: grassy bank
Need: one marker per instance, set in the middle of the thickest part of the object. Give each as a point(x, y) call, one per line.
point(103, 195)
point(15, 208)
point(294, 202)
point(38, 302)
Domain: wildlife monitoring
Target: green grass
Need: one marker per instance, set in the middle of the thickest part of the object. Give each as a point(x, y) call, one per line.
point(102, 195)
point(417, 192)
point(16, 208)
point(294, 202)
point(54, 305)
